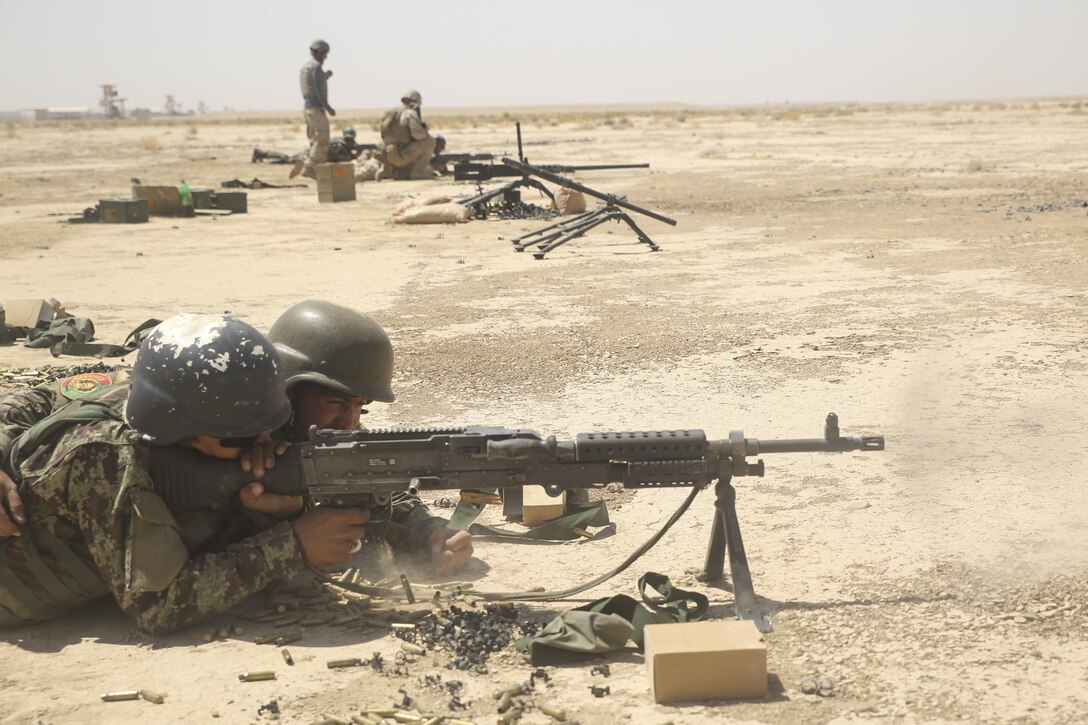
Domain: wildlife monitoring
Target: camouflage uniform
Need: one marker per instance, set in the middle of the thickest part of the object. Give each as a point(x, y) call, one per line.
point(411, 522)
point(20, 410)
point(95, 526)
point(409, 146)
point(89, 492)
point(343, 150)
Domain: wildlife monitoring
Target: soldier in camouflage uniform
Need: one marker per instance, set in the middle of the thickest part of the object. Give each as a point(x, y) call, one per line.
point(409, 146)
point(336, 361)
point(94, 524)
point(356, 368)
point(342, 149)
point(345, 148)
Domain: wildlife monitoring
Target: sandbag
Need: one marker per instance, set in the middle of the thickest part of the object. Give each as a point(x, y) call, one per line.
point(570, 201)
point(413, 202)
point(448, 213)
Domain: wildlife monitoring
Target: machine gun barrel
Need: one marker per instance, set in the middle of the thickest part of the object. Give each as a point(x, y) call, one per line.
point(530, 170)
point(591, 167)
point(469, 169)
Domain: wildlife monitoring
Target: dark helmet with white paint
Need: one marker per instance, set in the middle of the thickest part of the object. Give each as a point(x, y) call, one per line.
point(206, 375)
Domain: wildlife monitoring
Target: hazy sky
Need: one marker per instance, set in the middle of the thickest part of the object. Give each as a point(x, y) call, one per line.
point(245, 55)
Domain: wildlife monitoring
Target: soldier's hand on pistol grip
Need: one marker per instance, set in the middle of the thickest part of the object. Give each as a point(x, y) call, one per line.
point(262, 456)
point(254, 497)
point(450, 549)
point(11, 507)
point(327, 535)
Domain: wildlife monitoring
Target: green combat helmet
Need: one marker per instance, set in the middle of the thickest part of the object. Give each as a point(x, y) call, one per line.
point(412, 96)
point(335, 347)
point(206, 375)
point(319, 46)
point(349, 133)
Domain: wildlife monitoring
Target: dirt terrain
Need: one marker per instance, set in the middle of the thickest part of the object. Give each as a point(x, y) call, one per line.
point(919, 270)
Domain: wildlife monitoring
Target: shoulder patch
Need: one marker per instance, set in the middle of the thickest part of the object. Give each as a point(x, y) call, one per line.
point(82, 385)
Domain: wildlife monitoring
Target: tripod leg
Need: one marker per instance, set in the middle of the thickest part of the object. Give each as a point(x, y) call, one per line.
point(714, 564)
point(574, 233)
point(546, 234)
point(725, 537)
point(553, 225)
point(641, 235)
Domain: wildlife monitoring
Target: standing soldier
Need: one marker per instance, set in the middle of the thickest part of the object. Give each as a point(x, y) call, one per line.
point(409, 146)
point(313, 79)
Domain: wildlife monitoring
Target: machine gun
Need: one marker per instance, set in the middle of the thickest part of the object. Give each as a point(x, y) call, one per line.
point(459, 158)
point(470, 169)
point(366, 468)
point(473, 171)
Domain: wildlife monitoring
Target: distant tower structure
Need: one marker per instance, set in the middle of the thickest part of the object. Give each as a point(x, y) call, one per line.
point(201, 108)
point(171, 107)
point(113, 106)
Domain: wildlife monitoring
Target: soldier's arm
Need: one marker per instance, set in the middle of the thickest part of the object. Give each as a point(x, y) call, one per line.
point(416, 127)
point(20, 410)
point(321, 86)
point(427, 534)
point(135, 543)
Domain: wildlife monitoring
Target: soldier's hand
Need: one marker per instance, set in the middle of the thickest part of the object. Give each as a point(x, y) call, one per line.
point(450, 549)
point(332, 112)
point(329, 535)
point(262, 456)
point(11, 507)
point(254, 497)
point(328, 74)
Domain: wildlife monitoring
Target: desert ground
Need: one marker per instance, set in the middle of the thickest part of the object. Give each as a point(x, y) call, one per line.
point(918, 269)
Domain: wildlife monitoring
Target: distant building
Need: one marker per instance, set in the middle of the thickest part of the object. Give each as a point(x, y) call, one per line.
point(55, 113)
point(68, 113)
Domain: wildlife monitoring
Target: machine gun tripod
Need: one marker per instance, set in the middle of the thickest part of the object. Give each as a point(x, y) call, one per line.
point(561, 232)
point(470, 169)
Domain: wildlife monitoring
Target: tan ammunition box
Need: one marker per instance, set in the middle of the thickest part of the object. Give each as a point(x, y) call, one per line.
point(537, 506)
point(335, 182)
point(719, 660)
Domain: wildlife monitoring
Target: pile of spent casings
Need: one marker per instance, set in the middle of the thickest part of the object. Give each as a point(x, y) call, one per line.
point(472, 635)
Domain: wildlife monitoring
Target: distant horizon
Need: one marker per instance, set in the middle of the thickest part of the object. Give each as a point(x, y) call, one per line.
point(559, 108)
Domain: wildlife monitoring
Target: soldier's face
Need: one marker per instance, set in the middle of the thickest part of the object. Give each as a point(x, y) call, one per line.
point(326, 410)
